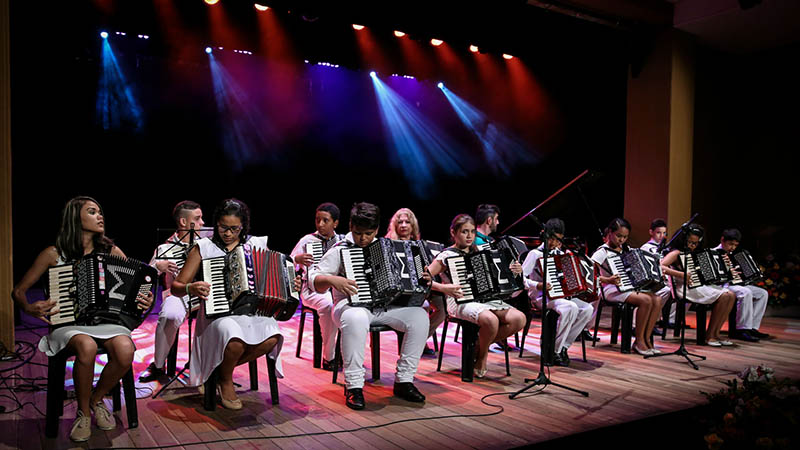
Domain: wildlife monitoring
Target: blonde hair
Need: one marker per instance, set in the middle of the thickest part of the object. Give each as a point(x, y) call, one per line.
point(391, 233)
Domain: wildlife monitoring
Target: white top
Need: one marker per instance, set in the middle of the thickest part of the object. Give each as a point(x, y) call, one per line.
point(300, 247)
point(530, 268)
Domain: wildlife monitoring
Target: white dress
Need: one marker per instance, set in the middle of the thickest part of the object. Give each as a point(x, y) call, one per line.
point(58, 338)
point(465, 311)
point(212, 336)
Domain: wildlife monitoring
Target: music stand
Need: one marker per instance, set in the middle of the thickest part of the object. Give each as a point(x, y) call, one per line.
point(542, 379)
point(192, 233)
point(681, 315)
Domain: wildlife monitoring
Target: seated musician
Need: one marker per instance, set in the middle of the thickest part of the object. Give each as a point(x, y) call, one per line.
point(648, 304)
point(173, 309)
point(497, 319)
point(82, 233)
point(573, 313)
point(326, 219)
point(487, 217)
point(658, 232)
point(722, 299)
point(751, 301)
point(354, 321)
point(404, 226)
point(232, 340)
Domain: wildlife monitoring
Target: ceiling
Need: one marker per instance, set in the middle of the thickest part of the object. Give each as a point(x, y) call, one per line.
point(732, 26)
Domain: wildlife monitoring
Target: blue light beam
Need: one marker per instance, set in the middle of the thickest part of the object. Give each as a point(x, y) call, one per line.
point(245, 137)
point(501, 149)
point(420, 146)
point(116, 107)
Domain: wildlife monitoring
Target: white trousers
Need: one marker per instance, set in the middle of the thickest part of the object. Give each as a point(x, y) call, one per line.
point(170, 319)
point(323, 304)
point(354, 321)
point(573, 316)
point(751, 304)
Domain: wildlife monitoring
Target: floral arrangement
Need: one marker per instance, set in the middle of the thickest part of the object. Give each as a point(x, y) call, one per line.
point(761, 412)
point(781, 280)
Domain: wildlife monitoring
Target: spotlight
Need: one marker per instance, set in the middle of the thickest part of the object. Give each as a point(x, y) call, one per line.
point(358, 27)
point(507, 56)
point(440, 85)
point(104, 35)
point(399, 33)
point(261, 7)
point(436, 42)
point(208, 50)
point(473, 48)
point(212, 2)
point(373, 74)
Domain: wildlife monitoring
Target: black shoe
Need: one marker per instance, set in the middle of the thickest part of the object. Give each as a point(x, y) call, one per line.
point(152, 373)
point(428, 351)
point(587, 336)
point(354, 398)
point(407, 391)
point(758, 334)
point(744, 335)
point(327, 365)
point(564, 358)
point(558, 360)
point(658, 331)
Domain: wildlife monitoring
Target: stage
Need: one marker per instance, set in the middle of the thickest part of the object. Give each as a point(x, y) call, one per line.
point(312, 415)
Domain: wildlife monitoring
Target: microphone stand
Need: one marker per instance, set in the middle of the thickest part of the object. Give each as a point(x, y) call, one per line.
point(180, 374)
point(542, 379)
point(680, 312)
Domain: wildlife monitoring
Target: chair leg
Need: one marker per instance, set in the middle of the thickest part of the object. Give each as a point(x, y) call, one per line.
point(56, 369)
point(337, 357)
point(441, 346)
point(375, 347)
point(317, 342)
point(210, 395)
point(117, 398)
point(468, 341)
point(548, 342)
point(300, 328)
point(129, 386)
point(597, 322)
point(732, 322)
point(583, 346)
point(516, 339)
point(273, 380)
point(700, 314)
point(458, 328)
point(615, 319)
point(253, 374)
point(680, 318)
point(627, 327)
point(525, 331)
point(400, 337)
point(435, 341)
point(508, 365)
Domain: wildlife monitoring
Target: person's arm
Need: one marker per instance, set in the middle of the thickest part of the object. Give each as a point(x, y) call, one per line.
point(299, 254)
point(163, 265)
point(183, 284)
point(450, 290)
point(667, 261)
point(600, 258)
point(325, 274)
point(39, 309)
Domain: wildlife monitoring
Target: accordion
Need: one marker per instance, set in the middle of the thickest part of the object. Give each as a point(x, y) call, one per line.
point(177, 253)
point(251, 281)
point(637, 269)
point(704, 267)
point(100, 289)
point(515, 246)
point(413, 258)
point(484, 275)
point(571, 275)
point(377, 271)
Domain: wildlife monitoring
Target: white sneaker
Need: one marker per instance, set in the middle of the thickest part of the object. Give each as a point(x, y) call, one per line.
point(103, 417)
point(81, 428)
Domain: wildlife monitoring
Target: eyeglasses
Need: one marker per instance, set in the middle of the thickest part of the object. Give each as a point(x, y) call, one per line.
point(223, 229)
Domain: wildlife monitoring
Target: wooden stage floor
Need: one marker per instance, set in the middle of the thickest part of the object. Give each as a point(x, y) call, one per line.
point(622, 388)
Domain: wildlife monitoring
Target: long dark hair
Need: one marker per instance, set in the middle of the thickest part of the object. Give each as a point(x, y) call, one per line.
point(69, 241)
point(232, 207)
point(458, 222)
point(693, 229)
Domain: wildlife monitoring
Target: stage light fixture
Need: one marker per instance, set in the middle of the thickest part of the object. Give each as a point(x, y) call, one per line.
point(399, 33)
point(358, 27)
point(473, 48)
point(507, 56)
point(104, 35)
point(208, 50)
point(261, 7)
point(211, 2)
point(373, 74)
point(436, 42)
point(440, 85)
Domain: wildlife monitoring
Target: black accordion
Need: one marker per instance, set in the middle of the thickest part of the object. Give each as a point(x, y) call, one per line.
point(484, 275)
point(637, 269)
point(704, 267)
point(377, 271)
point(100, 289)
point(251, 281)
point(413, 257)
point(741, 267)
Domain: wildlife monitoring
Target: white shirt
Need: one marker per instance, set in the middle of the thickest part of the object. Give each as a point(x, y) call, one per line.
point(331, 264)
